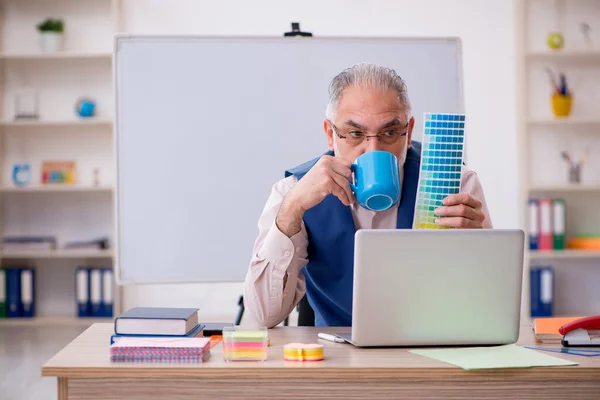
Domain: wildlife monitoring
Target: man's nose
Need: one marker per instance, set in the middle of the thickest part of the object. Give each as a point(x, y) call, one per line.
point(373, 144)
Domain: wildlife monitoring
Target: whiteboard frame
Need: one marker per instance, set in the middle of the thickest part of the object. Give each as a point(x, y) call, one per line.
point(121, 37)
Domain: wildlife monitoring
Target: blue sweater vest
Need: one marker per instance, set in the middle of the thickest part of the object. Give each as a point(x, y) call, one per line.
point(330, 227)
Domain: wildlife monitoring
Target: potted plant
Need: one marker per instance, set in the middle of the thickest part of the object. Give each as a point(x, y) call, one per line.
point(51, 34)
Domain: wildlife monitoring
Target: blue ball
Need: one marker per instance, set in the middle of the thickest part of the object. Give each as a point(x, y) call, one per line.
point(85, 108)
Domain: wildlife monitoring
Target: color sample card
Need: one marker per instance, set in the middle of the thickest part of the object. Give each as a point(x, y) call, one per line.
point(441, 164)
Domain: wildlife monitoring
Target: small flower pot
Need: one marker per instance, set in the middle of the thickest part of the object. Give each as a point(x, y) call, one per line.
point(51, 42)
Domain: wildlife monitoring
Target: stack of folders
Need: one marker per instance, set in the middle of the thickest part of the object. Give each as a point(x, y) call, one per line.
point(542, 290)
point(17, 292)
point(158, 322)
point(94, 291)
point(165, 350)
point(547, 220)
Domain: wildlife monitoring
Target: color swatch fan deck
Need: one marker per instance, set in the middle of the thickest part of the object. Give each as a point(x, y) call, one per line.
point(441, 164)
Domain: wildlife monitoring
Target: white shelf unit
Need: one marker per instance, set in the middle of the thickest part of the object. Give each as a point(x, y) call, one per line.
point(75, 123)
point(564, 254)
point(542, 138)
point(81, 211)
point(57, 254)
point(55, 56)
point(50, 188)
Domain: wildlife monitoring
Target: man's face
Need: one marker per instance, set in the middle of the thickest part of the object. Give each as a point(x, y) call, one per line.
point(365, 112)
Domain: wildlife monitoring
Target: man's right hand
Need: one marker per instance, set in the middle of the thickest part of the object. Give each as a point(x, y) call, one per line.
point(330, 175)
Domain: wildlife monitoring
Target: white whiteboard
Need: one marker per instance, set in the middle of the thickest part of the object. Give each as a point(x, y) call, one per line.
point(206, 125)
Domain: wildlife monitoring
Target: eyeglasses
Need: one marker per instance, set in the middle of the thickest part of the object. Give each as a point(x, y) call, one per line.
point(355, 137)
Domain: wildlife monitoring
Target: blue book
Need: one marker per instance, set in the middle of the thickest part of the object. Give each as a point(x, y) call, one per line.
point(13, 292)
point(196, 332)
point(157, 321)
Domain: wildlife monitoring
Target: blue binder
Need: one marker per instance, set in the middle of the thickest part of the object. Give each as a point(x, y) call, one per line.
point(13, 292)
point(534, 224)
point(27, 292)
point(96, 292)
point(107, 292)
point(542, 291)
point(82, 291)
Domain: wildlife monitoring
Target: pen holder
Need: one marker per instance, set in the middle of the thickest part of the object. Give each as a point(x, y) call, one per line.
point(561, 105)
point(574, 174)
point(244, 344)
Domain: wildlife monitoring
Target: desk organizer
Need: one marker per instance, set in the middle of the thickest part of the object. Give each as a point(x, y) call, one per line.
point(243, 344)
point(303, 352)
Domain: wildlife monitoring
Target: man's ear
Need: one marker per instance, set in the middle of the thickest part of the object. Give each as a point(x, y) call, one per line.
point(329, 133)
point(411, 125)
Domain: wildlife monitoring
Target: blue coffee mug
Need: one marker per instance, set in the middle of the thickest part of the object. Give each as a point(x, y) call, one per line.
point(376, 180)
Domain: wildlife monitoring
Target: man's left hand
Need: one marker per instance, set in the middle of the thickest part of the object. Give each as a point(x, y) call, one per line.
point(462, 211)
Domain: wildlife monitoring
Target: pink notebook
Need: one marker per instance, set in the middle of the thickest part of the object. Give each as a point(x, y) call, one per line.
point(162, 343)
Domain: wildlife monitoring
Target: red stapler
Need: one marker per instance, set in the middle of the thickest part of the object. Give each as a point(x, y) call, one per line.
point(581, 332)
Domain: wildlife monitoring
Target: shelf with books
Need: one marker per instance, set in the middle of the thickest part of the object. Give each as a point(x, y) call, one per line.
point(50, 188)
point(570, 122)
point(582, 187)
point(51, 321)
point(56, 123)
point(565, 56)
point(57, 254)
point(563, 254)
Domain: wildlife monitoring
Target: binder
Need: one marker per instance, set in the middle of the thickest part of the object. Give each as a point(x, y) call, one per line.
point(13, 292)
point(534, 291)
point(82, 291)
point(558, 224)
point(534, 224)
point(27, 292)
point(96, 292)
point(2, 293)
point(542, 291)
point(107, 292)
point(546, 238)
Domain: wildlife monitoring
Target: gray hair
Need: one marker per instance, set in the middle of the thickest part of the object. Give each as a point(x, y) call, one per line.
point(365, 75)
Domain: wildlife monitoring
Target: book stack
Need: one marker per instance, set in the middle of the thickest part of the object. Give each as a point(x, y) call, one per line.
point(546, 329)
point(158, 322)
point(165, 350)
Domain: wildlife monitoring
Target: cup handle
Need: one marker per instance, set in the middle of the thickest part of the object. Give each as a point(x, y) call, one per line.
point(352, 186)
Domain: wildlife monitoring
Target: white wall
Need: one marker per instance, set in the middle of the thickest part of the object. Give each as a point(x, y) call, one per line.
point(488, 35)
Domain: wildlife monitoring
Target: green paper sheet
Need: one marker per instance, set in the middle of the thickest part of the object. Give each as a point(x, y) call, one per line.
point(508, 356)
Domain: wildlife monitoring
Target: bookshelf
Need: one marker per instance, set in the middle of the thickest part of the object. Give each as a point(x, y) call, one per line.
point(76, 123)
point(542, 137)
point(70, 212)
point(55, 188)
point(52, 321)
point(57, 254)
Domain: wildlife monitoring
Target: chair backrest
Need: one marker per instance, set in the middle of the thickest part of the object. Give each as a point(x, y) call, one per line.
point(306, 315)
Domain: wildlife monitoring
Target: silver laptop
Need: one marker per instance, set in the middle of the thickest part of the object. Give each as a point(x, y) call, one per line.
point(436, 287)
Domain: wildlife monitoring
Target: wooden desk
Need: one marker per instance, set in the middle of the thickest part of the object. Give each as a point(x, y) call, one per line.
point(84, 371)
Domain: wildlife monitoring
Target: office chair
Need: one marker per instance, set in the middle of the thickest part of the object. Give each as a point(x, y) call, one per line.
point(306, 315)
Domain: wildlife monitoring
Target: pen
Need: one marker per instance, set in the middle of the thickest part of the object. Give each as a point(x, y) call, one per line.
point(331, 338)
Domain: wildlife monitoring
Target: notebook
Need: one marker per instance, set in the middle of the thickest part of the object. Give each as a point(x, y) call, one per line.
point(546, 329)
point(198, 331)
point(156, 321)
